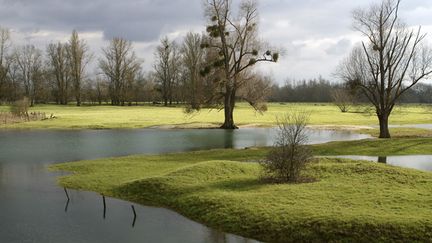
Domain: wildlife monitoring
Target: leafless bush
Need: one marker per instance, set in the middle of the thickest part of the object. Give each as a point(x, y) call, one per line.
point(290, 154)
point(10, 118)
point(19, 113)
point(342, 99)
point(20, 108)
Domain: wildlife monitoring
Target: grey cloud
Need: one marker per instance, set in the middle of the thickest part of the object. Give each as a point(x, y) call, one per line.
point(288, 24)
point(340, 47)
point(132, 19)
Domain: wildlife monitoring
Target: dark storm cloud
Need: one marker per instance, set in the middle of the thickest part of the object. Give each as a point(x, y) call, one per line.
point(136, 20)
point(314, 34)
point(144, 20)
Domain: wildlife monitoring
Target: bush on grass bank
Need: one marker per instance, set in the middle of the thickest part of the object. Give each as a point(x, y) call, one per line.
point(290, 155)
point(349, 201)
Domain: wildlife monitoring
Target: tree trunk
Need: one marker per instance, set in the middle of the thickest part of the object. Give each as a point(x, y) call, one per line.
point(382, 160)
point(384, 129)
point(78, 100)
point(229, 105)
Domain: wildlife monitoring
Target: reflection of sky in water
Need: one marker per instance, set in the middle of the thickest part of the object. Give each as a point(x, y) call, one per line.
point(422, 126)
point(57, 146)
point(33, 206)
point(420, 162)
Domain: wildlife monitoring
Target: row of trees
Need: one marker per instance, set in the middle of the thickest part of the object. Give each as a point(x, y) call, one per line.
point(322, 91)
point(210, 69)
point(25, 71)
point(215, 69)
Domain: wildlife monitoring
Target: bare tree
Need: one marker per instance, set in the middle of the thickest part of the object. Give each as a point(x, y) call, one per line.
point(193, 60)
point(389, 62)
point(342, 99)
point(78, 59)
point(235, 40)
point(167, 69)
point(290, 155)
point(13, 76)
point(5, 44)
point(60, 69)
point(119, 65)
point(30, 67)
point(255, 89)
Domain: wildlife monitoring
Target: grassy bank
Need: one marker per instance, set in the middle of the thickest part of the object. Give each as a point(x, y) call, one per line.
point(350, 201)
point(105, 117)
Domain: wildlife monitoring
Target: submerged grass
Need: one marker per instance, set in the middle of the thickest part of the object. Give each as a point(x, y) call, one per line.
point(350, 201)
point(106, 117)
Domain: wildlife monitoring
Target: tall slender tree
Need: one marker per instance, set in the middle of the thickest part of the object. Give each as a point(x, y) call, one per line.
point(193, 60)
point(30, 68)
point(5, 61)
point(167, 69)
point(78, 59)
point(60, 70)
point(119, 65)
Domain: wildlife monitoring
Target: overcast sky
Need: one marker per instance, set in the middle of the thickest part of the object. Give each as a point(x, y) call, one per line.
point(315, 34)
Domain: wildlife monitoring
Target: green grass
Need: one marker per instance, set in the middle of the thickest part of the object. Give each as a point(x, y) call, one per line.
point(350, 201)
point(106, 117)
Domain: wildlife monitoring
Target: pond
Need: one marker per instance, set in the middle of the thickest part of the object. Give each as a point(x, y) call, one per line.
point(33, 208)
point(420, 126)
point(419, 162)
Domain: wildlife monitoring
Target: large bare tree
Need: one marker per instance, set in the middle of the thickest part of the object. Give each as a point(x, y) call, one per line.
point(119, 65)
point(391, 60)
point(235, 39)
point(61, 71)
point(79, 57)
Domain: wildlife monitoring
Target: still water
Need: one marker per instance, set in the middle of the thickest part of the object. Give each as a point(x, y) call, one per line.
point(419, 162)
point(34, 209)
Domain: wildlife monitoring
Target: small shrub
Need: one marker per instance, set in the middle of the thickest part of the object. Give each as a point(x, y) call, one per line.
point(342, 99)
point(290, 155)
point(20, 108)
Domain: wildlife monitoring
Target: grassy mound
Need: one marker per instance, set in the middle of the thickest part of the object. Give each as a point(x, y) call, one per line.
point(350, 201)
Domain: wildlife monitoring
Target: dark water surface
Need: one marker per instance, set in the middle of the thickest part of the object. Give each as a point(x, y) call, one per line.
point(32, 206)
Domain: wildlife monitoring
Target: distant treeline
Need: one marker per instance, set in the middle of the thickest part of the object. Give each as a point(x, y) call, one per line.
point(320, 90)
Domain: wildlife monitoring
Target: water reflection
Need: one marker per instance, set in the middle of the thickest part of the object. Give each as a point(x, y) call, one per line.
point(420, 162)
point(33, 206)
point(68, 199)
point(156, 224)
point(420, 126)
point(135, 216)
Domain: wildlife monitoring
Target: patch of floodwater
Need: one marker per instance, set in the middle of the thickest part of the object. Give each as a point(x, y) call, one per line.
point(421, 126)
point(148, 224)
point(32, 206)
point(419, 162)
